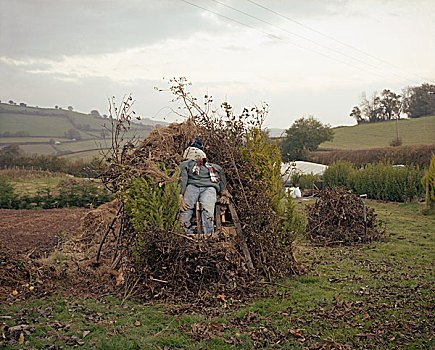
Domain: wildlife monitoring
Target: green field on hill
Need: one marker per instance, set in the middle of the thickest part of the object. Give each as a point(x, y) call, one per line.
point(419, 131)
point(45, 126)
point(35, 125)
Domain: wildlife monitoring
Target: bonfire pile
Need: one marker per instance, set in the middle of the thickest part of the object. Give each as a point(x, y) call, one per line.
point(153, 255)
point(337, 218)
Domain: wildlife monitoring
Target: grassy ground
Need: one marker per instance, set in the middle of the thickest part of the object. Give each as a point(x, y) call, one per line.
point(418, 131)
point(31, 181)
point(375, 296)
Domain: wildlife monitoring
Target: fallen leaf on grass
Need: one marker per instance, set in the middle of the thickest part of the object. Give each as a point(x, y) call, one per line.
point(21, 340)
point(297, 334)
point(137, 323)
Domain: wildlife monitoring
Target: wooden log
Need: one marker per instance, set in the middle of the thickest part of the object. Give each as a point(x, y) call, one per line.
point(109, 228)
point(218, 217)
point(241, 237)
point(198, 218)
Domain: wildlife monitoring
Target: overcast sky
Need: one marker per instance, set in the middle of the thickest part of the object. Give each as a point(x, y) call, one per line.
point(302, 57)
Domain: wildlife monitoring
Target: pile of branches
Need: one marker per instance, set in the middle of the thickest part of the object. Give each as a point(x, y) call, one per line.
point(337, 218)
point(157, 259)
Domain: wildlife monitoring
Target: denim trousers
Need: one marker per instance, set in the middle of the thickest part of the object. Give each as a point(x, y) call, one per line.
point(207, 199)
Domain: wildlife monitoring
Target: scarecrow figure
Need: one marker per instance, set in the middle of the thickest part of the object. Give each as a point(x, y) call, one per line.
point(200, 181)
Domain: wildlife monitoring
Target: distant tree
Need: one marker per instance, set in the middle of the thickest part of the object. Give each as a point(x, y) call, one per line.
point(371, 108)
point(9, 154)
point(70, 108)
point(306, 134)
point(95, 113)
point(11, 102)
point(22, 104)
point(419, 101)
point(356, 114)
point(56, 107)
point(390, 105)
point(72, 134)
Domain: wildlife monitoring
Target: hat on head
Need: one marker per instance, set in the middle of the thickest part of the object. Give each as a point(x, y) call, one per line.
point(195, 142)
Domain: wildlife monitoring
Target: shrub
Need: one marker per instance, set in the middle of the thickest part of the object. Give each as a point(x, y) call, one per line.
point(396, 142)
point(305, 181)
point(155, 204)
point(428, 181)
point(7, 196)
point(382, 181)
point(385, 182)
point(71, 193)
point(340, 173)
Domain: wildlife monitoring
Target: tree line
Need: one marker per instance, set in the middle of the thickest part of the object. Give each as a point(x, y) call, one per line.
point(414, 102)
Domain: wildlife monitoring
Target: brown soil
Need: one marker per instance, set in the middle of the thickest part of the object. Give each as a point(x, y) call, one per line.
point(39, 231)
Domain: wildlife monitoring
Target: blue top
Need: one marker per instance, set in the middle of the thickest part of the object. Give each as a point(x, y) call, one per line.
point(202, 179)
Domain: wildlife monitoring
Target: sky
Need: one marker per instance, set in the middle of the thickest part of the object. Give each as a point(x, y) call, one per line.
point(301, 57)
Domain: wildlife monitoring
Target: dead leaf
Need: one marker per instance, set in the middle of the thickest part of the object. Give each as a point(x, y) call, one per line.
point(21, 340)
point(222, 297)
point(137, 323)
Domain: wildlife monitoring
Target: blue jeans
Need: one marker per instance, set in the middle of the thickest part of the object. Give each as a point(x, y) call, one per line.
point(207, 198)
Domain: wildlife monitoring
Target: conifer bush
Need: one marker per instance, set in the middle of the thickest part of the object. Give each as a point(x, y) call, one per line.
point(428, 182)
point(381, 181)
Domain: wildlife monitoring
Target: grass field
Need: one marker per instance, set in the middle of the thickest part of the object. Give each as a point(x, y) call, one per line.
point(43, 148)
point(44, 124)
point(86, 155)
point(31, 181)
point(83, 145)
point(419, 131)
point(18, 140)
point(377, 296)
point(35, 125)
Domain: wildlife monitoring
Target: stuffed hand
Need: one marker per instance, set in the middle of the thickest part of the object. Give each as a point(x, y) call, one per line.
point(225, 197)
point(183, 204)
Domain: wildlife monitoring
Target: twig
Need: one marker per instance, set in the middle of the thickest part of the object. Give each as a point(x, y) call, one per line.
point(157, 280)
point(110, 228)
point(163, 330)
point(130, 291)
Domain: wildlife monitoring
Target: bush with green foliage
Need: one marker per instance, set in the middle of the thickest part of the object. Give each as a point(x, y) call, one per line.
point(70, 193)
point(381, 181)
point(340, 173)
point(428, 182)
point(264, 158)
point(8, 197)
point(305, 181)
point(149, 203)
point(388, 183)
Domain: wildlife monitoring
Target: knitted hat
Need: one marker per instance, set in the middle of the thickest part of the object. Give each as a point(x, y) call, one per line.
point(195, 142)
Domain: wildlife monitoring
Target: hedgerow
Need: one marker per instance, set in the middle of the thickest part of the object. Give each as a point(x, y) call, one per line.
point(381, 181)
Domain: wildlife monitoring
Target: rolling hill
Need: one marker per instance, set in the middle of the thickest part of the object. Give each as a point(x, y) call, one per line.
point(58, 131)
point(418, 131)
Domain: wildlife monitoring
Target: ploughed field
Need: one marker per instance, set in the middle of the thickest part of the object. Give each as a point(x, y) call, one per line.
point(37, 232)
